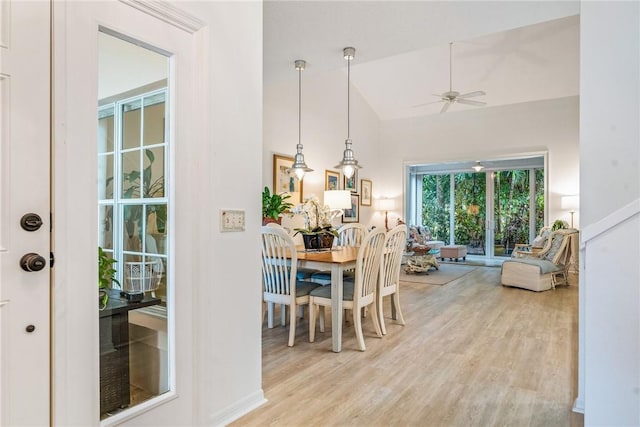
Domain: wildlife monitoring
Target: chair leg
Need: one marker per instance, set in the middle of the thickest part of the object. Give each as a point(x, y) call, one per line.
point(321, 308)
point(283, 314)
point(395, 300)
point(270, 309)
point(301, 311)
point(376, 319)
point(357, 325)
point(293, 314)
point(312, 320)
point(380, 313)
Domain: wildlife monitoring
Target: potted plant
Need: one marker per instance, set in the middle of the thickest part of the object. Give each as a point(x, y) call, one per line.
point(136, 182)
point(106, 276)
point(273, 206)
point(559, 224)
point(318, 232)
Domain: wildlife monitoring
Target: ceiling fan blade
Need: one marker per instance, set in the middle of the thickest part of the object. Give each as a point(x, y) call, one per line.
point(445, 107)
point(470, 102)
point(426, 103)
point(472, 94)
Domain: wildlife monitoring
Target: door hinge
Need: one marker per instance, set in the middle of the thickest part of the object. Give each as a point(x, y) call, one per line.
point(52, 259)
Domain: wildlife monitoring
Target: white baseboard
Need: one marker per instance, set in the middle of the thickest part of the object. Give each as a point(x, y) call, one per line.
point(238, 409)
point(578, 405)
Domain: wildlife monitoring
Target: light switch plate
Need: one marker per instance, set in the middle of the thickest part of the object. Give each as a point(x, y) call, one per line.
point(231, 220)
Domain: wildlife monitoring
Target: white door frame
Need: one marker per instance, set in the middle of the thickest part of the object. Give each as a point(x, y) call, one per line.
point(75, 336)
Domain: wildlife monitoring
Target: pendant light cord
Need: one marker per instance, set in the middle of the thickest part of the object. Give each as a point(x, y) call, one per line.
point(348, 98)
point(299, 106)
point(450, 67)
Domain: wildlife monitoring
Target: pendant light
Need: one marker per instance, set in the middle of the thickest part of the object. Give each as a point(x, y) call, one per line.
point(299, 167)
point(478, 166)
point(348, 164)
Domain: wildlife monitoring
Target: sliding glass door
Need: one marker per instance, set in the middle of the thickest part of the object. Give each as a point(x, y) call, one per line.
point(489, 211)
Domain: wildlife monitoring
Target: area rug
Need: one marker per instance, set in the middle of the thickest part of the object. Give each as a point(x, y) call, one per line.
point(447, 273)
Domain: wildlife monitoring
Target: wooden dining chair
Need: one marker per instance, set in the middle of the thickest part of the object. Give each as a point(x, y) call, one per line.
point(280, 285)
point(389, 281)
point(348, 235)
point(357, 293)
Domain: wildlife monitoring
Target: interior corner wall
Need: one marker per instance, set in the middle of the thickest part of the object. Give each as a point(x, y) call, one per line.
point(490, 133)
point(323, 132)
point(227, 309)
point(610, 181)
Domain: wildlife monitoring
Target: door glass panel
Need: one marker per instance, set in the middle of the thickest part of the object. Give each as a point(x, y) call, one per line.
point(154, 123)
point(153, 172)
point(539, 206)
point(470, 197)
point(133, 224)
point(436, 191)
point(131, 124)
point(511, 210)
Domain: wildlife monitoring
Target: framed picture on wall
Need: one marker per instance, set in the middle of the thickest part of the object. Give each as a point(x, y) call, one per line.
point(352, 183)
point(351, 215)
point(283, 180)
point(331, 180)
point(366, 187)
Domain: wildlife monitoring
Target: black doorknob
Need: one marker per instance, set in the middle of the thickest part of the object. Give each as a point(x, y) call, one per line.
point(32, 262)
point(31, 222)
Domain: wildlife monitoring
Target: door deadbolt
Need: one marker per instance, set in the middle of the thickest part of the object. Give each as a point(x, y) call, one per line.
point(31, 222)
point(32, 262)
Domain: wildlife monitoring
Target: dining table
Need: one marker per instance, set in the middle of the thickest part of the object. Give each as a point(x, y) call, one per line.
point(338, 260)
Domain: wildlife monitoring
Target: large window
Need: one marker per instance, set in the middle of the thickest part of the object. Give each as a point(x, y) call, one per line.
point(132, 168)
point(489, 211)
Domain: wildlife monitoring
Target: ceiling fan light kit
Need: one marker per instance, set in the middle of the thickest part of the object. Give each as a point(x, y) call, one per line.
point(453, 96)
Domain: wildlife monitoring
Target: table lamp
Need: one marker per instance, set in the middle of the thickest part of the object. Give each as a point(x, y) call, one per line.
point(337, 199)
point(386, 205)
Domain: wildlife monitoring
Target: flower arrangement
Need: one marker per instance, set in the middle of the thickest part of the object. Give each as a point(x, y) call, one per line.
point(317, 217)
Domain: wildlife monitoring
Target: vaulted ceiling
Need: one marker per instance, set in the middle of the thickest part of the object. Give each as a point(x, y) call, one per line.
point(514, 51)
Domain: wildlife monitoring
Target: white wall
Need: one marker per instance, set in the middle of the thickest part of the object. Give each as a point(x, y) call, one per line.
point(609, 158)
point(489, 133)
point(324, 129)
point(228, 303)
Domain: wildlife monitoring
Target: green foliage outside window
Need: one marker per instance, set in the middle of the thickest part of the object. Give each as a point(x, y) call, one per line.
point(511, 204)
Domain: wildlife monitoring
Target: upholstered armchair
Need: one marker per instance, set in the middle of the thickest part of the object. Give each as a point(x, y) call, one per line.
point(543, 270)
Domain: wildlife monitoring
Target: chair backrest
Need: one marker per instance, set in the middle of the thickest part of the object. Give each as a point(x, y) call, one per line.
point(368, 264)
point(392, 256)
point(278, 272)
point(351, 234)
point(276, 225)
point(558, 249)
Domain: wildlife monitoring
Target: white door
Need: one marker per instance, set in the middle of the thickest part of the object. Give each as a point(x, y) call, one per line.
point(24, 189)
point(160, 27)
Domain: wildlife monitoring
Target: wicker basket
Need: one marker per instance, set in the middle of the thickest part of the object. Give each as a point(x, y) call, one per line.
point(142, 277)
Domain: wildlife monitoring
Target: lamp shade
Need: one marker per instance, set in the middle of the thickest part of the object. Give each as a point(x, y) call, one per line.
point(570, 203)
point(386, 204)
point(338, 199)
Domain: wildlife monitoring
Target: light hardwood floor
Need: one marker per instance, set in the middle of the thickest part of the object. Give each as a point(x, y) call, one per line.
point(473, 353)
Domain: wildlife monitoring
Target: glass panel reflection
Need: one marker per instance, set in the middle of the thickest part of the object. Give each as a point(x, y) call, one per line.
point(153, 174)
point(131, 122)
point(154, 124)
point(133, 224)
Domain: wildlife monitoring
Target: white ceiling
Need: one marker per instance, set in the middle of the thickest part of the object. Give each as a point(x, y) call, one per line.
point(514, 51)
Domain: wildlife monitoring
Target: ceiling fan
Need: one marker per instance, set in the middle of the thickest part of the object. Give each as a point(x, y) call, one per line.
point(452, 96)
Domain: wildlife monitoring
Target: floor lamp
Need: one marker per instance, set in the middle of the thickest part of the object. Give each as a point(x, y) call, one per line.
point(570, 203)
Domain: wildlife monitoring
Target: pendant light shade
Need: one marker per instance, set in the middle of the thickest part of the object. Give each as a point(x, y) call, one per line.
point(348, 164)
point(477, 167)
point(299, 167)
